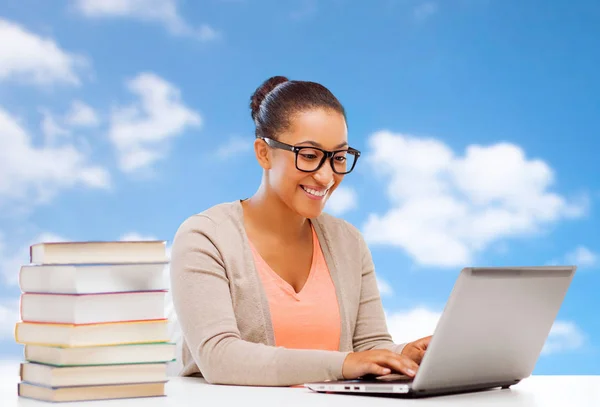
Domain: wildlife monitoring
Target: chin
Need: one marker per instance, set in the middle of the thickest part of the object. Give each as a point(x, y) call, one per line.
point(310, 213)
point(307, 208)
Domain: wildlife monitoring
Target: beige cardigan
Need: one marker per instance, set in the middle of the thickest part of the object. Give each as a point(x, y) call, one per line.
point(224, 313)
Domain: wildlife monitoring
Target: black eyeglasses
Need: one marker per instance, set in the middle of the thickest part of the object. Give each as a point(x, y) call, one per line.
point(310, 159)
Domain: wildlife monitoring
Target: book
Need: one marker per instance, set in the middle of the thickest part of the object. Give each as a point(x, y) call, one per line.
point(93, 308)
point(73, 335)
point(93, 252)
point(92, 278)
point(89, 393)
point(52, 376)
point(93, 321)
point(101, 355)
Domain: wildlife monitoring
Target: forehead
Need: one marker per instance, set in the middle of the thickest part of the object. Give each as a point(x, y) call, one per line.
point(324, 127)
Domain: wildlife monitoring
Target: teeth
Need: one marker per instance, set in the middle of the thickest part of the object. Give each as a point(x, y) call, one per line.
point(315, 193)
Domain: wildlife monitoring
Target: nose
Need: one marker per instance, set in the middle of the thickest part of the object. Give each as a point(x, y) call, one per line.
point(325, 175)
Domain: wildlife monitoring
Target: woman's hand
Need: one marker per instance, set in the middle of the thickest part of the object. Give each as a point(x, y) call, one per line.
point(377, 362)
point(416, 350)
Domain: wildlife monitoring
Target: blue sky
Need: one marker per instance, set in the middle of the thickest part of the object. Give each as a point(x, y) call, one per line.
point(477, 120)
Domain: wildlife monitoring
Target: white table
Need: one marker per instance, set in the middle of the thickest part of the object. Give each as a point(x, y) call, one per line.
point(535, 391)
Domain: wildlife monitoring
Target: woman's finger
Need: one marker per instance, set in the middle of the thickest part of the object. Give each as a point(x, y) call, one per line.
point(410, 366)
point(377, 369)
point(399, 363)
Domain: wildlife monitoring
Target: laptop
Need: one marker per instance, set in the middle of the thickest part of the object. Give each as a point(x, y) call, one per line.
point(490, 335)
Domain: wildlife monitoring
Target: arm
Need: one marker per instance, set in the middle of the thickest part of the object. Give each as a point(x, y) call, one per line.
point(203, 304)
point(371, 330)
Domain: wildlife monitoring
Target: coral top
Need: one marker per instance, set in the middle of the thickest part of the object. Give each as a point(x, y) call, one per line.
point(309, 319)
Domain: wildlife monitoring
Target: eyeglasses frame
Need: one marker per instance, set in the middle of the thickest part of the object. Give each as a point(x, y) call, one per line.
point(326, 154)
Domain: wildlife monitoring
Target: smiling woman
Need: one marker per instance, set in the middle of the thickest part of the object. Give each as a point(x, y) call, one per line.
point(304, 120)
point(270, 290)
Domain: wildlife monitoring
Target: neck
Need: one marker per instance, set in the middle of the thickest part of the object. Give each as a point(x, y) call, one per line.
point(272, 216)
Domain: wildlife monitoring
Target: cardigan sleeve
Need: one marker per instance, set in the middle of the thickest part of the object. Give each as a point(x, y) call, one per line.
point(203, 304)
point(371, 330)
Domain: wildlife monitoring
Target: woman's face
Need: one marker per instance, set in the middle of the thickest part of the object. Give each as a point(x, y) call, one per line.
point(307, 192)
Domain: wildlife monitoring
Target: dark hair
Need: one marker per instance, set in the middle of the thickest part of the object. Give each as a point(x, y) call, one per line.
point(277, 99)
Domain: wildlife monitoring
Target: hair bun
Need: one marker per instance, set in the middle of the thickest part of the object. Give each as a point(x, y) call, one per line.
point(262, 91)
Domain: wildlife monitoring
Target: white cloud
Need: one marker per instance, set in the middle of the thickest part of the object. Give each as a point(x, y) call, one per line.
point(582, 257)
point(564, 336)
point(140, 131)
point(12, 260)
point(135, 236)
point(31, 174)
point(162, 12)
point(447, 208)
point(408, 326)
point(385, 289)
point(233, 147)
point(9, 316)
point(56, 127)
point(30, 58)
point(425, 9)
point(342, 200)
point(81, 115)
point(51, 128)
point(305, 9)
point(207, 33)
point(419, 322)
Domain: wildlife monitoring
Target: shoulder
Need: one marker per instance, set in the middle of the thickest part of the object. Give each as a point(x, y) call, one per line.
point(216, 220)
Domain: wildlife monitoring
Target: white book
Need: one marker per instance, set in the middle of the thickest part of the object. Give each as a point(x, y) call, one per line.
point(88, 393)
point(93, 278)
point(92, 308)
point(91, 252)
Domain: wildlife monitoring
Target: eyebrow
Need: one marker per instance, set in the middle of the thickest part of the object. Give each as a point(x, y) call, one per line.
point(314, 143)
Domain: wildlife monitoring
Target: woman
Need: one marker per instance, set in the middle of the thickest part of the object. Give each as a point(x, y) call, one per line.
point(269, 290)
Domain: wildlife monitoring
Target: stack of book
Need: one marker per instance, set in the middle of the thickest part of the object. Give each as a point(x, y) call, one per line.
point(93, 321)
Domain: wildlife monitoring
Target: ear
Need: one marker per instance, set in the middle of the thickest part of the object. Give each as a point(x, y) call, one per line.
point(263, 154)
